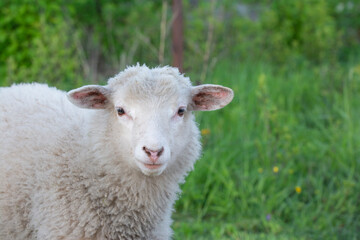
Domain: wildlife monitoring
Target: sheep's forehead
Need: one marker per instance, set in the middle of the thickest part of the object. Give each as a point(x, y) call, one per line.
point(141, 84)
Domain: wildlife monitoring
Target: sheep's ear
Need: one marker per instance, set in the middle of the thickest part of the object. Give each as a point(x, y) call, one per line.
point(209, 97)
point(91, 96)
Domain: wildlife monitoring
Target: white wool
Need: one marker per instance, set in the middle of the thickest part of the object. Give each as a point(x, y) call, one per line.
point(69, 173)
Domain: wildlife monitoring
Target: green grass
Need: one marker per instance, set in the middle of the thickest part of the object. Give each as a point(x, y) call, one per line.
point(301, 119)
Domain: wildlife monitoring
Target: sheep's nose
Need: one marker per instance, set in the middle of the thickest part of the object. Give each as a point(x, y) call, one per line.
point(153, 154)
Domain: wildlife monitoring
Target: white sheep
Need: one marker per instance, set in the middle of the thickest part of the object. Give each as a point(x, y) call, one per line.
point(111, 173)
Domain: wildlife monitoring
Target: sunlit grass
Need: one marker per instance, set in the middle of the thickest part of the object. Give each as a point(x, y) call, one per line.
point(282, 161)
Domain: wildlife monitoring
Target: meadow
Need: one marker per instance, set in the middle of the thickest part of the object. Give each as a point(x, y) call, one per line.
point(282, 160)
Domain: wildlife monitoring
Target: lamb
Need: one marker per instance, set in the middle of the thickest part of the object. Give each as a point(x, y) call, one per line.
point(105, 165)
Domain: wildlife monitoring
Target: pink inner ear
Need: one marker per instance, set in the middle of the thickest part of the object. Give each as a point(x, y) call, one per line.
point(81, 95)
point(204, 101)
point(221, 94)
point(211, 99)
point(94, 99)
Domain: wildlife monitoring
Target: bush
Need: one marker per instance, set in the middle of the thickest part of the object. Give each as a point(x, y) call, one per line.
point(282, 31)
point(39, 44)
point(98, 38)
point(54, 59)
point(57, 41)
point(117, 33)
point(346, 14)
point(302, 28)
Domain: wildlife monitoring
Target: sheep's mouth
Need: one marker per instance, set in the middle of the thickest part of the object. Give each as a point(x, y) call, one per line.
point(151, 169)
point(152, 166)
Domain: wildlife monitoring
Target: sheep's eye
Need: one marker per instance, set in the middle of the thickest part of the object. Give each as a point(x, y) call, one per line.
point(181, 112)
point(120, 111)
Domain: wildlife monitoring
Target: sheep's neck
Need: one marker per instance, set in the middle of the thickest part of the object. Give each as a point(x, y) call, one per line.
point(139, 206)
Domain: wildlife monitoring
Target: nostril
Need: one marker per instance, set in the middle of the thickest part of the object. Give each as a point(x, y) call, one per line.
point(161, 151)
point(146, 151)
point(153, 153)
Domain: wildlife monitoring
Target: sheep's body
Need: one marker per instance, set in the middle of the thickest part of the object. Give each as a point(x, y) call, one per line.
point(63, 177)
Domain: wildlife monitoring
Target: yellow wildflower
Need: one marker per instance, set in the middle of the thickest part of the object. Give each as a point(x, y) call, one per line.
point(275, 169)
point(298, 189)
point(205, 131)
point(260, 170)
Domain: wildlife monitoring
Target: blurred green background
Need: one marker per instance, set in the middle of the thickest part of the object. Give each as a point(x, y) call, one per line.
point(282, 160)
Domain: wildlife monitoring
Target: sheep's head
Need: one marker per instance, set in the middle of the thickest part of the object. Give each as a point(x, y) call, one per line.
point(152, 115)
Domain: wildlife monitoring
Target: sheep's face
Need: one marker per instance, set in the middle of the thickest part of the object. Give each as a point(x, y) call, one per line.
point(152, 108)
point(157, 130)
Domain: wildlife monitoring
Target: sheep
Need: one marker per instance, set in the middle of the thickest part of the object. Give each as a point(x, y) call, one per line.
point(99, 162)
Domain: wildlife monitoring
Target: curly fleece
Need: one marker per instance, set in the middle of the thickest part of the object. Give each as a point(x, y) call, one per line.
point(62, 178)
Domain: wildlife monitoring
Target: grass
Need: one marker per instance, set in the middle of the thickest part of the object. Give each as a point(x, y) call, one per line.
point(281, 161)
